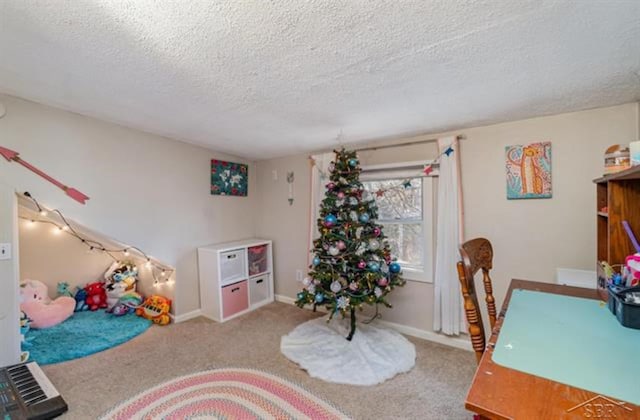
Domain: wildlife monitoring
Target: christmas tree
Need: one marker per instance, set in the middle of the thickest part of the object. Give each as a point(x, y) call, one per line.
point(352, 263)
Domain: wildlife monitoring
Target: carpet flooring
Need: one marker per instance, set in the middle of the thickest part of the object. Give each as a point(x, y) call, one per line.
point(434, 389)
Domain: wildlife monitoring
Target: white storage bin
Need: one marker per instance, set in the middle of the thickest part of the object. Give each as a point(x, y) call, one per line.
point(233, 266)
point(258, 289)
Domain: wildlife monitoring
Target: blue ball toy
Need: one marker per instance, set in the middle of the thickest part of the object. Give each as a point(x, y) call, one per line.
point(300, 295)
point(364, 217)
point(394, 267)
point(316, 261)
point(319, 297)
point(353, 162)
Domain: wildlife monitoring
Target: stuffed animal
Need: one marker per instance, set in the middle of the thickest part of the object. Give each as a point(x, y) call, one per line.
point(81, 300)
point(156, 308)
point(126, 272)
point(120, 278)
point(96, 296)
point(114, 292)
point(40, 309)
point(63, 289)
point(25, 326)
point(127, 304)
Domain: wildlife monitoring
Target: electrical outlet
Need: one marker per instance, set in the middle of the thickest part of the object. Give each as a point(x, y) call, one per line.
point(299, 275)
point(5, 251)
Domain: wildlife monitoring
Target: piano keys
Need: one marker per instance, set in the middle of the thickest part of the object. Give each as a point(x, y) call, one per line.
point(27, 394)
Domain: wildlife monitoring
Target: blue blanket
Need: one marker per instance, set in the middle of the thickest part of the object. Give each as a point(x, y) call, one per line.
point(83, 334)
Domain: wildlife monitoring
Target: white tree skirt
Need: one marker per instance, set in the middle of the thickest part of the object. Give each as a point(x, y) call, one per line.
point(371, 357)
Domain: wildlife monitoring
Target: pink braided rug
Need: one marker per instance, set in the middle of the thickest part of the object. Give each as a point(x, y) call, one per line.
point(227, 394)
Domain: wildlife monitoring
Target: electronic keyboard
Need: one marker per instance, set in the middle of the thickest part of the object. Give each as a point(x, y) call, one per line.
point(26, 393)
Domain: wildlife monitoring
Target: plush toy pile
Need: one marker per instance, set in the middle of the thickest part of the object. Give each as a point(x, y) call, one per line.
point(116, 294)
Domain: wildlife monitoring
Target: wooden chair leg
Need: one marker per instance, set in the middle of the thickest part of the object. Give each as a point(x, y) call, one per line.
point(476, 331)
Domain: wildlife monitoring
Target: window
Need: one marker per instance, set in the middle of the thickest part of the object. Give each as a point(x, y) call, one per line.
point(405, 212)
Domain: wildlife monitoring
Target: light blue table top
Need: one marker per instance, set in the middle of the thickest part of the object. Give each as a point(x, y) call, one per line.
point(574, 341)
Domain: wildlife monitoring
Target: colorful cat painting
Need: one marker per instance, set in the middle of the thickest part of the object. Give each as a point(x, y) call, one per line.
point(529, 171)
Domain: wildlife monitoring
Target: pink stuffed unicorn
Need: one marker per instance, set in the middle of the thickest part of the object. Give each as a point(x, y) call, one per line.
point(42, 311)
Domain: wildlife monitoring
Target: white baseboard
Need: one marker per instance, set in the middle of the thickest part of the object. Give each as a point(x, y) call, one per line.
point(457, 342)
point(285, 299)
point(185, 317)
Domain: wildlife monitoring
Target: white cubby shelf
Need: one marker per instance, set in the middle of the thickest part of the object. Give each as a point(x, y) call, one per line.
point(235, 278)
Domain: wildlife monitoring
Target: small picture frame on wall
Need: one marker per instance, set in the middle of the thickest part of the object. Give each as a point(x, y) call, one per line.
point(229, 178)
point(528, 171)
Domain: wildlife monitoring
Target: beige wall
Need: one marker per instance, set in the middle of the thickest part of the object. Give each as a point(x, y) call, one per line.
point(51, 256)
point(9, 316)
point(531, 238)
point(146, 190)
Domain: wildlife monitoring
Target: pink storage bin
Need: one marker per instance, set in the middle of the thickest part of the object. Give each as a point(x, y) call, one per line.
point(235, 298)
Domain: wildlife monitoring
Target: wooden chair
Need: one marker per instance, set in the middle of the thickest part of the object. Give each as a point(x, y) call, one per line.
point(476, 254)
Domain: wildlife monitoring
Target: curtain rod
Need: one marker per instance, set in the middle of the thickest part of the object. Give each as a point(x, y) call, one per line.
point(410, 143)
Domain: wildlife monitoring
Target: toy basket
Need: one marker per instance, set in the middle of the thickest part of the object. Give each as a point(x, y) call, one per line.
point(627, 312)
point(257, 259)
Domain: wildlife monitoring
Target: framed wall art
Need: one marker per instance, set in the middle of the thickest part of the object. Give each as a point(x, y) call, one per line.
point(529, 171)
point(229, 178)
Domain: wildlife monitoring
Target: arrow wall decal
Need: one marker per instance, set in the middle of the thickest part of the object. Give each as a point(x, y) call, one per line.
point(10, 155)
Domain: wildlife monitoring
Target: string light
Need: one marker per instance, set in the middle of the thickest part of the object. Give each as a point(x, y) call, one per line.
point(94, 245)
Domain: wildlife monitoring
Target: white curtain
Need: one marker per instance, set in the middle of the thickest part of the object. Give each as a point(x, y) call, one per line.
point(448, 314)
point(319, 178)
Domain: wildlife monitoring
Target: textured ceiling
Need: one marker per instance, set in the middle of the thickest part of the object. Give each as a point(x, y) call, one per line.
point(269, 78)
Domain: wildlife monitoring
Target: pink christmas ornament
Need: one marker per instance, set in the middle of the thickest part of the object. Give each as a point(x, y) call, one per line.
point(382, 282)
point(377, 231)
point(341, 245)
point(331, 186)
point(340, 195)
point(362, 265)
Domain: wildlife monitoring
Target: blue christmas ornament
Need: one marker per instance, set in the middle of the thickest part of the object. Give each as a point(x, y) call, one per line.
point(353, 163)
point(373, 266)
point(330, 220)
point(394, 267)
point(300, 295)
point(316, 261)
point(319, 297)
point(364, 217)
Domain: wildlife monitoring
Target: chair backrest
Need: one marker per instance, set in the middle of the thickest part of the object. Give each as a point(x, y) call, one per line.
point(476, 254)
